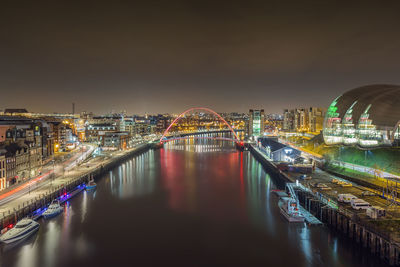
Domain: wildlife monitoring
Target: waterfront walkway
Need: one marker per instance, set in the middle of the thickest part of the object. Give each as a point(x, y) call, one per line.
point(46, 187)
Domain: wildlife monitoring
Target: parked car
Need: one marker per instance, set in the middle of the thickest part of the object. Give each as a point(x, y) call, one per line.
point(358, 204)
point(375, 212)
point(346, 185)
point(322, 186)
point(346, 198)
point(335, 181)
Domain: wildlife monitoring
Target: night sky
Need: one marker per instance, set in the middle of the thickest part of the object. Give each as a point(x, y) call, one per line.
point(165, 56)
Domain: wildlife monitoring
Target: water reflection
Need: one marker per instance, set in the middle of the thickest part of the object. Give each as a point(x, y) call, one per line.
point(65, 235)
point(29, 254)
point(84, 206)
point(193, 202)
point(51, 242)
point(135, 177)
point(269, 216)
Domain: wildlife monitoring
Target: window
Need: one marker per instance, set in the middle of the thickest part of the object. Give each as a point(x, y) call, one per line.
point(367, 133)
point(349, 131)
point(22, 225)
point(332, 125)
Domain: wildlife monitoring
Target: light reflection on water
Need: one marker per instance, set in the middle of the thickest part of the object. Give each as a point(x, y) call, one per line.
point(51, 242)
point(134, 178)
point(84, 206)
point(194, 194)
point(28, 255)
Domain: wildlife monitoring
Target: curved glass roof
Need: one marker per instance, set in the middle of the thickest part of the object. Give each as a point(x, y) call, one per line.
point(383, 100)
point(366, 116)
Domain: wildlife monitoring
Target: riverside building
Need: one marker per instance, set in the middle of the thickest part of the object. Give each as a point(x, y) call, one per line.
point(367, 117)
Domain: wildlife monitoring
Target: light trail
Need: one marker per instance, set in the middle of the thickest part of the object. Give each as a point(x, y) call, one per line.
point(33, 183)
point(25, 185)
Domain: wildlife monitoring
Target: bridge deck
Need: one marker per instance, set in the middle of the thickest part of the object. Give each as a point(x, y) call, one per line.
point(200, 137)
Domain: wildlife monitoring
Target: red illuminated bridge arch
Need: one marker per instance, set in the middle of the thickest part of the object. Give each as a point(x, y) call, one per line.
point(203, 109)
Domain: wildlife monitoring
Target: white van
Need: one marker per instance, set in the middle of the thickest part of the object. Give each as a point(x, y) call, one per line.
point(358, 204)
point(375, 212)
point(346, 198)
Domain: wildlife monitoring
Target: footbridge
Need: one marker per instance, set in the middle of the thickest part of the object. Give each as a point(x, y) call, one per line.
point(166, 137)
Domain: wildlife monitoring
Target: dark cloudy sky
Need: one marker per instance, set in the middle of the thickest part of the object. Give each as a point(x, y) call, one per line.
point(165, 56)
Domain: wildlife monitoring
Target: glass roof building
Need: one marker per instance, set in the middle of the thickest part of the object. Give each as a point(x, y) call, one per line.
point(367, 116)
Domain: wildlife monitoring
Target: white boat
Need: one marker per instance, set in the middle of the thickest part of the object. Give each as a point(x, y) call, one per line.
point(289, 209)
point(91, 185)
point(21, 230)
point(54, 209)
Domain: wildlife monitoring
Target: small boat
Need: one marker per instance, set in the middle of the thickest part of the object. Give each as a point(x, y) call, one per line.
point(289, 209)
point(91, 185)
point(21, 230)
point(54, 209)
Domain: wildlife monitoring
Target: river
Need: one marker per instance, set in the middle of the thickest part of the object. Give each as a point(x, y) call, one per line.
point(191, 203)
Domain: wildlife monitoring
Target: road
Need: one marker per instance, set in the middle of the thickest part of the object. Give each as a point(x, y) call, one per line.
point(29, 193)
point(50, 171)
point(364, 169)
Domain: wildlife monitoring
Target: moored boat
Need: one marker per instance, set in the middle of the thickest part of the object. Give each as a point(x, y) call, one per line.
point(21, 230)
point(289, 209)
point(54, 209)
point(91, 185)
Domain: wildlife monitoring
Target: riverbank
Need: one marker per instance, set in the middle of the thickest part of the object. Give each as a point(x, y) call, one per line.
point(41, 197)
point(379, 236)
point(49, 170)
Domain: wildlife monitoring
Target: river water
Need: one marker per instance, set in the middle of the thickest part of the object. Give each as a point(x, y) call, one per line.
point(191, 203)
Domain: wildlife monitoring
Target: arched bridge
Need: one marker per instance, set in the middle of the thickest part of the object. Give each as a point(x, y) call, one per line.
point(200, 137)
point(235, 138)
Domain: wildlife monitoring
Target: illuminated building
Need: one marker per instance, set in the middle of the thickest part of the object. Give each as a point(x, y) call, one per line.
point(303, 119)
point(93, 131)
point(60, 135)
point(11, 168)
point(114, 140)
point(115, 119)
point(24, 158)
point(288, 120)
point(163, 122)
point(273, 122)
point(367, 117)
point(3, 172)
point(316, 119)
point(129, 125)
point(256, 122)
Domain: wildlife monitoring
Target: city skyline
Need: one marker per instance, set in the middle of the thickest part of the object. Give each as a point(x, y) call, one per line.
point(156, 58)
